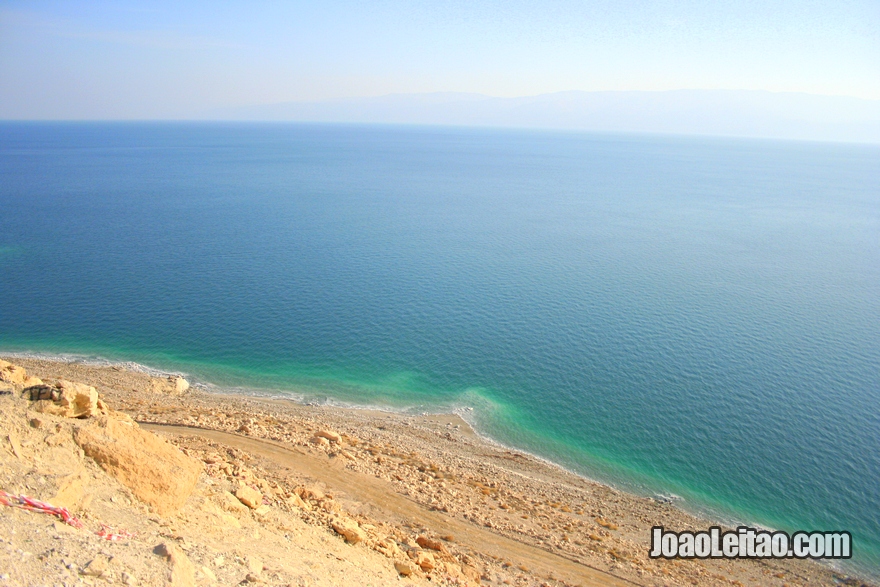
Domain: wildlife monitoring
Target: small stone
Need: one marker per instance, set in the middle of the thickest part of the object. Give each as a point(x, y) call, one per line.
point(230, 503)
point(179, 384)
point(425, 561)
point(255, 564)
point(55, 439)
point(426, 542)
point(296, 500)
point(329, 435)
point(252, 578)
point(319, 441)
point(404, 569)
point(36, 422)
point(349, 530)
point(249, 497)
point(209, 574)
point(129, 579)
point(96, 567)
point(182, 570)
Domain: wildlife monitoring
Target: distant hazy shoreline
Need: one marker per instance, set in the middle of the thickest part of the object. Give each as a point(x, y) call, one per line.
point(730, 113)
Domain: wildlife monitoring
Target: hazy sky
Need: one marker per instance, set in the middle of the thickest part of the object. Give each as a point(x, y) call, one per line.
point(125, 59)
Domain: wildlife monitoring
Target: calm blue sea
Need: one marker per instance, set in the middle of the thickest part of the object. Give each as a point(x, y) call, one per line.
point(688, 316)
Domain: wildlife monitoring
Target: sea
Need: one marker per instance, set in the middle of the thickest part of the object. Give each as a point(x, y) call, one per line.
point(690, 318)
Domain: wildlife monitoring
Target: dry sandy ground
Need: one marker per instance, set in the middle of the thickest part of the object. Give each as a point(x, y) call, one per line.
point(379, 499)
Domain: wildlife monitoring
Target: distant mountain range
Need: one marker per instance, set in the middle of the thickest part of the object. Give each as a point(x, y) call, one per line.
point(742, 113)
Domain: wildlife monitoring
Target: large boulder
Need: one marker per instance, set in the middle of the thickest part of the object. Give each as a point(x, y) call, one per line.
point(155, 471)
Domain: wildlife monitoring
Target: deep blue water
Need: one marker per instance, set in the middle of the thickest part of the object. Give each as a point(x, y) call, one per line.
point(693, 316)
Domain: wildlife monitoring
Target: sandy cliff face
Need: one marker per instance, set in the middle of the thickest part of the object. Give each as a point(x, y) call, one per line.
point(142, 512)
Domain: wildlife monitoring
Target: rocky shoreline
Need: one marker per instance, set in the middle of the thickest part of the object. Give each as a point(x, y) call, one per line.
point(209, 489)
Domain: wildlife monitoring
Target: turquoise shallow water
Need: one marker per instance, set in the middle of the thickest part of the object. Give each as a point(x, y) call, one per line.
point(691, 316)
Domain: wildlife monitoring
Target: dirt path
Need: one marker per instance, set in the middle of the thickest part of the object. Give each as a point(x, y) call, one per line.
point(382, 496)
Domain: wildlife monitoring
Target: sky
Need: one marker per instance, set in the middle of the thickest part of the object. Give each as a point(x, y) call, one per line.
point(142, 60)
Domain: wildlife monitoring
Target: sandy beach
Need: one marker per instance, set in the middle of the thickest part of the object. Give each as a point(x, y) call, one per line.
point(288, 494)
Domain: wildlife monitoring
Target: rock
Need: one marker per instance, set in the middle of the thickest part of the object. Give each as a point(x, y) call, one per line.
point(12, 373)
point(155, 471)
point(255, 564)
point(31, 381)
point(296, 500)
point(209, 573)
point(454, 572)
point(426, 542)
point(212, 458)
point(314, 492)
point(249, 497)
point(56, 439)
point(180, 384)
point(389, 548)
point(97, 566)
point(471, 573)
point(14, 445)
point(173, 385)
point(425, 560)
point(36, 422)
point(230, 503)
point(262, 511)
point(319, 441)
point(403, 568)
point(71, 491)
point(330, 506)
point(252, 578)
point(329, 435)
point(183, 573)
point(128, 579)
point(38, 392)
point(349, 530)
point(67, 399)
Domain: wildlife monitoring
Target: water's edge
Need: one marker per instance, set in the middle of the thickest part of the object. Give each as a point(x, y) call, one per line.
point(304, 397)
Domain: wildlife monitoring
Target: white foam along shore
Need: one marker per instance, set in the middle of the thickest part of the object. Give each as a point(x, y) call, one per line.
point(466, 413)
point(506, 473)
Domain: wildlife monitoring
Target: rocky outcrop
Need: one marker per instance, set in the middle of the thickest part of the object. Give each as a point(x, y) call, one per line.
point(66, 399)
point(12, 373)
point(156, 472)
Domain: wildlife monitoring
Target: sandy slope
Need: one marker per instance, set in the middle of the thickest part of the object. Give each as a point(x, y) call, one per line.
point(416, 490)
